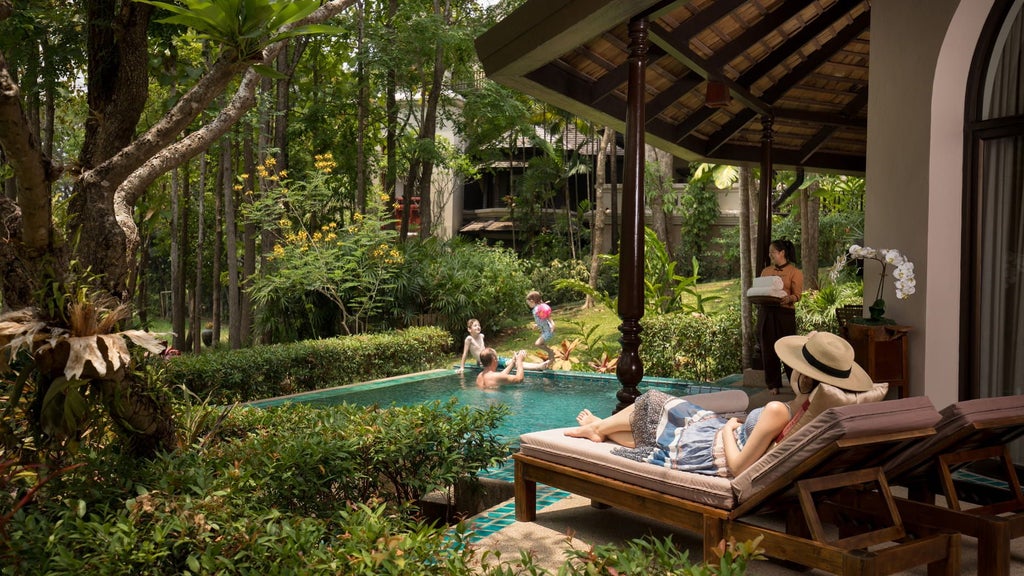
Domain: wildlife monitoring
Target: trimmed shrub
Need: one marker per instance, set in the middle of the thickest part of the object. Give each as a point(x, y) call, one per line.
point(268, 371)
point(544, 275)
point(454, 281)
point(692, 346)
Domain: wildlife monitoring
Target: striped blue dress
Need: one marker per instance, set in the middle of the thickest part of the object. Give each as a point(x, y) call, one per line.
point(673, 433)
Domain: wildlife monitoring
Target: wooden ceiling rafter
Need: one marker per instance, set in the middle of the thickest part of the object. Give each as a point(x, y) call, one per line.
point(662, 37)
point(787, 82)
point(802, 61)
point(854, 107)
point(756, 32)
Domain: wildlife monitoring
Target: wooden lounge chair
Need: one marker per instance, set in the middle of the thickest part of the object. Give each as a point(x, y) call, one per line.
point(838, 449)
point(970, 432)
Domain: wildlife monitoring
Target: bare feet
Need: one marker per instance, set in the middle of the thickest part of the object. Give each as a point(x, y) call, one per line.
point(774, 391)
point(586, 417)
point(588, 431)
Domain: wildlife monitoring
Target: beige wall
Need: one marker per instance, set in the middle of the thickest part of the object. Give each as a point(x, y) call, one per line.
point(920, 54)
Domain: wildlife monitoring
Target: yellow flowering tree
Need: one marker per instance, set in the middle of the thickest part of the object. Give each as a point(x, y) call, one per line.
point(352, 262)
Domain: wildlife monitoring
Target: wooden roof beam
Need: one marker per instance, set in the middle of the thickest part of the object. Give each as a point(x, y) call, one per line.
point(776, 91)
point(818, 57)
point(798, 40)
point(755, 33)
point(606, 84)
point(701, 20)
point(574, 94)
point(859, 101)
point(837, 119)
point(674, 92)
point(783, 51)
point(663, 37)
point(822, 161)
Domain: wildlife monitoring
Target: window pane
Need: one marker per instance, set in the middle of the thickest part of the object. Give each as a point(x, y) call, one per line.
point(1001, 284)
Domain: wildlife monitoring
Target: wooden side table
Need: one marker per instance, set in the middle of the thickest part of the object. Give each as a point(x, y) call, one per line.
point(883, 352)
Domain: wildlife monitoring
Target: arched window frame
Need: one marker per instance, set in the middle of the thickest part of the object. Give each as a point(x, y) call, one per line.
point(979, 130)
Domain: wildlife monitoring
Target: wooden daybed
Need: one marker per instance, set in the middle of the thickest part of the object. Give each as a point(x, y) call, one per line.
point(839, 448)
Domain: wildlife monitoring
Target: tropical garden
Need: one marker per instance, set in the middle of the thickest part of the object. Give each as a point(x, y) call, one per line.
point(228, 172)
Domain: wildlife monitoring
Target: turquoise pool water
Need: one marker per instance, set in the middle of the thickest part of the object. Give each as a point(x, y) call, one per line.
point(549, 399)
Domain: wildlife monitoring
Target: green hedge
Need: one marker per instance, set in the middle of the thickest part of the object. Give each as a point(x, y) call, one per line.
point(268, 371)
point(692, 346)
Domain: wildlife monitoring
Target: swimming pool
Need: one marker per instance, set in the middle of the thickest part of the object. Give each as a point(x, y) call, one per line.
point(549, 399)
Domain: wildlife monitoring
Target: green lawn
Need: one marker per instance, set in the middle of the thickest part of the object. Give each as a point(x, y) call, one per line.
point(573, 318)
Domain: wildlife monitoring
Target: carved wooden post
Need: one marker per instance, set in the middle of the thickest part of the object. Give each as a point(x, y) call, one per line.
point(764, 194)
point(630, 369)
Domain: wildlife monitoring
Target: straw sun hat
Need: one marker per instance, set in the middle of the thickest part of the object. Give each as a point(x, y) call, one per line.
point(826, 358)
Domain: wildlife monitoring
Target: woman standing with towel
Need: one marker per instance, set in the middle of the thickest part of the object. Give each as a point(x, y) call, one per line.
point(777, 321)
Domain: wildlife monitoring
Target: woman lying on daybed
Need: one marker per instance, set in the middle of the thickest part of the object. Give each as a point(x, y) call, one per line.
point(674, 433)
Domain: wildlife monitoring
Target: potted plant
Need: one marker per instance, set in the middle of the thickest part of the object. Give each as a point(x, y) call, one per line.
point(902, 274)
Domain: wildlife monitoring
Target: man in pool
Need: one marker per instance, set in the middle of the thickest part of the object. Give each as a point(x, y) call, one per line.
point(490, 377)
point(474, 344)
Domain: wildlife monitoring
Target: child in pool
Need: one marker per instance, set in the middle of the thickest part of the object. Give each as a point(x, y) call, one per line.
point(474, 344)
point(542, 318)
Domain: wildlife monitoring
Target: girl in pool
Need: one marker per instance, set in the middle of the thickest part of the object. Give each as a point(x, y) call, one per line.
point(474, 344)
point(674, 433)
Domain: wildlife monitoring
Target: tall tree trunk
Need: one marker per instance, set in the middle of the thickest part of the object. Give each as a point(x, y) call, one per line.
point(118, 80)
point(177, 273)
point(391, 101)
point(50, 109)
point(141, 290)
point(597, 228)
point(362, 108)
point(656, 193)
point(614, 201)
point(197, 293)
point(428, 131)
point(248, 239)
point(810, 205)
point(224, 184)
point(234, 282)
point(747, 238)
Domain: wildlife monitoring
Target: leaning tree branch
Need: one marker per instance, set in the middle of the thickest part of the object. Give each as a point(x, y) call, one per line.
point(128, 193)
point(158, 160)
point(141, 155)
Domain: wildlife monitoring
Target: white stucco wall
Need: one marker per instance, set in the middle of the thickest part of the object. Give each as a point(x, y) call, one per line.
point(920, 55)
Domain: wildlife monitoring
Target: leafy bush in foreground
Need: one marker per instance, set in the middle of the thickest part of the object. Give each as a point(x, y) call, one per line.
point(290, 490)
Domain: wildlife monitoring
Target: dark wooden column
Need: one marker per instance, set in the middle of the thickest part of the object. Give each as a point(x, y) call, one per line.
point(630, 369)
point(764, 195)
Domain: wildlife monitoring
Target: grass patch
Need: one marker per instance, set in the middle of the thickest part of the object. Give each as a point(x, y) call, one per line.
point(568, 317)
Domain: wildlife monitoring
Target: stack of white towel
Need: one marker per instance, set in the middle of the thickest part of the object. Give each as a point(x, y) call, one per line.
point(767, 286)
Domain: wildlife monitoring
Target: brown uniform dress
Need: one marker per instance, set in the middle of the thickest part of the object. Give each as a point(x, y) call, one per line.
point(776, 321)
